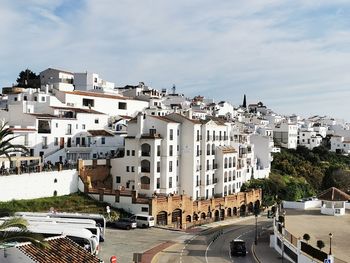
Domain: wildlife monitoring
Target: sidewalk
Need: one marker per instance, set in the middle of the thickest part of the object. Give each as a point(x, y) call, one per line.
point(263, 253)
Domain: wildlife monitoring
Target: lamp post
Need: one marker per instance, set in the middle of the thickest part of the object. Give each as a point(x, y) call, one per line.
point(284, 218)
point(330, 243)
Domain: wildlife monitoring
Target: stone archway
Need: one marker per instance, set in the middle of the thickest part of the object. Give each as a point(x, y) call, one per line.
point(250, 208)
point(188, 219)
point(195, 217)
point(162, 218)
point(242, 210)
point(229, 211)
point(216, 215)
point(222, 214)
point(234, 211)
point(203, 215)
point(176, 217)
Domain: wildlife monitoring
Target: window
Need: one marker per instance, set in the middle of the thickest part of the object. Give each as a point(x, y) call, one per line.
point(170, 166)
point(55, 141)
point(44, 142)
point(128, 169)
point(170, 182)
point(127, 152)
point(178, 132)
point(43, 99)
point(177, 147)
point(122, 105)
point(77, 141)
point(96, 121)
point(158, 150)
point(132, 168)
point(133, 152)
point(170, 150)
point(117, 179)
point(35, 98)
point(171, 134)
point(158, 183)
point(88, 102)
point(103, 140)
point(56, 124)
point(208, 135)
point(144, 209)
point(158, 167)
point(197, 135)
point(15, 99)
point(83, 126)
point(25, 98)
point(69, 129)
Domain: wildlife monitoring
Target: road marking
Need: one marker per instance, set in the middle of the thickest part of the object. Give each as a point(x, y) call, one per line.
point(206, 251)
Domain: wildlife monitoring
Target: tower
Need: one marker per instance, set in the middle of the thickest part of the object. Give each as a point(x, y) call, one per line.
point(244, 105)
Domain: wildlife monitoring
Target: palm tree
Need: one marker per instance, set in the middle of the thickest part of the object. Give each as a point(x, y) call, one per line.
point(20, 234)
point(6, 147)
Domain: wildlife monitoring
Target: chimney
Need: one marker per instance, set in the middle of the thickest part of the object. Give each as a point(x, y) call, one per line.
point(140, 120)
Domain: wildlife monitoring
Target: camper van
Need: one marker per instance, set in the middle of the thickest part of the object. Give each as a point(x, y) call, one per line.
point(143, 220)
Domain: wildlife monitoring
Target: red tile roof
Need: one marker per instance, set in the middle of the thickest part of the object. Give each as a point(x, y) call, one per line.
point(96, 94)
point(60, 250)
point(104, 133)
point(333, 194)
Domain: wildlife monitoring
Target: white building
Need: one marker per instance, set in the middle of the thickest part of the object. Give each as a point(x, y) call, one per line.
point(92, 82)
point(339, 144)
point(57, 79)
point(285, 135)
point(309, 139)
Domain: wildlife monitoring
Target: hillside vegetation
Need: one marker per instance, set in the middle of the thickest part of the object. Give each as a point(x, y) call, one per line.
point(303, 173)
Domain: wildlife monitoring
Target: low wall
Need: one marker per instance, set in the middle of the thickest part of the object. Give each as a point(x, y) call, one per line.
point(125, 202)
point(302, 205)
point(36, 185)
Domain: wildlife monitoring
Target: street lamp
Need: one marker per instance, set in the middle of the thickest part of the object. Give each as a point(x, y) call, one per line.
point(330, 243)
point(284, 218)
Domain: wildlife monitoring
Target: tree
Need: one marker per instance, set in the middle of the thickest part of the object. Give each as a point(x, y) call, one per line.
point(306, 237)
point(21, 233)
point(320, 244)
point(28, 78)
point(337, 177)
point(6, 147)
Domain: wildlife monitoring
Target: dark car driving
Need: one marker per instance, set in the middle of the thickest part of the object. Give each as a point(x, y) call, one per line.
point(124, 223)
point(238, 248)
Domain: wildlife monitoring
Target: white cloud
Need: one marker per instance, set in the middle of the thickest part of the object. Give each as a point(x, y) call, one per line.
point(275, 52)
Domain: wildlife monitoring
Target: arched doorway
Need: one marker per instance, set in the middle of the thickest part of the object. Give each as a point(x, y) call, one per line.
point(203, 216)
point(145, 166)
point(145, 182)
point(250, 208)
point(145, 149)
point(188, 219)
point(216, 215)
point(242, 210)
point(234, 211)
point(229, 211)
point(209, 214)
point(222, 214)
point(176, 218)
point(257, 204)
point(195, 217)
point(162, 218)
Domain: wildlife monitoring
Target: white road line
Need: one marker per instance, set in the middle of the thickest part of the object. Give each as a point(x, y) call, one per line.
point(206, 251)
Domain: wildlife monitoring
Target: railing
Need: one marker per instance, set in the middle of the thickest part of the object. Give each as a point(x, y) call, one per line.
point(35, 168)
point(145, 186)
point(145, 154)
point(145, 170)
point(215, 181)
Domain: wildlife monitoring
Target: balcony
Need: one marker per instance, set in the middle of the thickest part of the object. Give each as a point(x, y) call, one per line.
point(215, 181)
point(145, 186)
point(215, 166)
point(145, 154)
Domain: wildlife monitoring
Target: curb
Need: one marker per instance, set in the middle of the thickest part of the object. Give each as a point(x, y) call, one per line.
point(257, 260)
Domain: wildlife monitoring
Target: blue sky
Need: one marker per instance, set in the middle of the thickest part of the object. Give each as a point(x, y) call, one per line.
point(292, 55)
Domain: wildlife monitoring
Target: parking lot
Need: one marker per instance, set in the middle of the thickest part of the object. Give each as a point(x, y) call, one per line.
point(123, 243)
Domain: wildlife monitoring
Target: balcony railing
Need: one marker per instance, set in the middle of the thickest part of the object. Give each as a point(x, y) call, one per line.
point(145, 170)
point(145, 154)
point(145, 186)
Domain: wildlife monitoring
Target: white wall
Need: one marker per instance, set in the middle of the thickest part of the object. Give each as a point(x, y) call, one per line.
point(302, 205)
point(36, 185)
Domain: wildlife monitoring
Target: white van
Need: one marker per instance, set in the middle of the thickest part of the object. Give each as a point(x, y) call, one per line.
point(143, 220)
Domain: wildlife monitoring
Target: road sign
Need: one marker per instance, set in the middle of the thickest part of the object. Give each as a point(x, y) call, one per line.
point(113, 259)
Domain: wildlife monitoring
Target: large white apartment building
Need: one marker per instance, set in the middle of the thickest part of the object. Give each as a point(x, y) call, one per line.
point(178, 154)
point(308, 138)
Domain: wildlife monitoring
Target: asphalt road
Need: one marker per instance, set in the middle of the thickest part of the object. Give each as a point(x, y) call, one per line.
point(204, 248)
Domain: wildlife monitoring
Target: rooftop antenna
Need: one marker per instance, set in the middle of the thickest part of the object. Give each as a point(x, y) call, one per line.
point(174, 89)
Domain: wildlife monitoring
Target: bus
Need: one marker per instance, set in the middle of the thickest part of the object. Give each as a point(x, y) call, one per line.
point(81, 236)
point(99, 219)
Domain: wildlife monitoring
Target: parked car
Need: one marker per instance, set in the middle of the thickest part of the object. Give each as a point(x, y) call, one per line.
point(124, 223)
point(237, 248)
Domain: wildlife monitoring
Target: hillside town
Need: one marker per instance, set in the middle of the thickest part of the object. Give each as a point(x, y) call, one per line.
point(148, 151)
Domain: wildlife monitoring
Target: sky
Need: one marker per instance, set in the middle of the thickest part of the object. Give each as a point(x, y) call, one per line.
point(294, 56)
